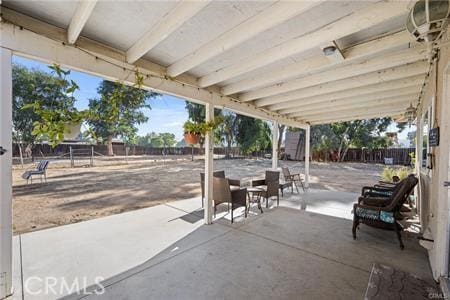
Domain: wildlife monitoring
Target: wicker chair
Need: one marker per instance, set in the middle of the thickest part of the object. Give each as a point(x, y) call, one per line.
point(292, 179)
point(219, 174)
point(384, 212)
point(222, 193)
point(270, 186)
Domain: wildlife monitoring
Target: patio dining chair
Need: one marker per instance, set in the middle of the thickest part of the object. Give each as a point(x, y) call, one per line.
point(235, 183)
point(292, 179)
point(384, 212)
point(41, 171)
point(270, 186)
point(222, 193)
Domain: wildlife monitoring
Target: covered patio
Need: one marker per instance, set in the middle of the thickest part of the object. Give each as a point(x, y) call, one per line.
point(302, 248)
point(296, 63)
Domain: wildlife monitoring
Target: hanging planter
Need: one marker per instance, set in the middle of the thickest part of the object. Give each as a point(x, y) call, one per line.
point(191, 138)
point(193, 132)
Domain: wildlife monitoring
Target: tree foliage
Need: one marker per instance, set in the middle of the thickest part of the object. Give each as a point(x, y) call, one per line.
point(117, 112)
point(253, 134)
point(356, 134)
point(157, 140)
point(43, 105)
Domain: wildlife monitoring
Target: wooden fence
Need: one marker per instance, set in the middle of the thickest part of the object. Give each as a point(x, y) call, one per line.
point(45, 150)
point(399, 156)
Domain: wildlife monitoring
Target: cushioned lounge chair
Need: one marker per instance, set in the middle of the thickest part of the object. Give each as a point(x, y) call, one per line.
point(384, 212)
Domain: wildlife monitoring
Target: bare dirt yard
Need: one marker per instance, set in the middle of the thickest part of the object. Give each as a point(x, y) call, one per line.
point(112, 186)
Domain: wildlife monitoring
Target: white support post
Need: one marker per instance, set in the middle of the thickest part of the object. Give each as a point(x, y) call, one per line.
point(307, 151)
point(209, 166)
point(418, 163)
point(275, 145)
point(6, 174)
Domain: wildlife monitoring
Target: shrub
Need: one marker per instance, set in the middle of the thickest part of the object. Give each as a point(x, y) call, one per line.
point(402, 173)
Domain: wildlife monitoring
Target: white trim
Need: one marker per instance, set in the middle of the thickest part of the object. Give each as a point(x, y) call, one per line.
point(182, 12)
point(275, 133)
point(108, 65)
point(359, 20)
point(320, 63)
point(6, 174)
point(307, 154)
point(79, 19)
point(272, 16)
point(397, 73)
point(372, 65)
point(209, 165)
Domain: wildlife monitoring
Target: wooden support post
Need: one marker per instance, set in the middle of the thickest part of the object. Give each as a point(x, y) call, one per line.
point(275, 145)
point(6, 174)
point(307, 151)
point(209, 166)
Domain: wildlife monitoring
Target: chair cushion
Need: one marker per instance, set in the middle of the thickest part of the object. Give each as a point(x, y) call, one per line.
point(384, 216)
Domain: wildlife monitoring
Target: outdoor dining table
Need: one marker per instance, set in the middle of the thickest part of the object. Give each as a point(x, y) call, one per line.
point(254, 196)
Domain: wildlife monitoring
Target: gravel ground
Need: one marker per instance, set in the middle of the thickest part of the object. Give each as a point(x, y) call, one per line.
point(112, 186)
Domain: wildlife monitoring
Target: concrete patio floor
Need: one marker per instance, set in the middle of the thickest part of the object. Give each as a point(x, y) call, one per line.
point(303, 249)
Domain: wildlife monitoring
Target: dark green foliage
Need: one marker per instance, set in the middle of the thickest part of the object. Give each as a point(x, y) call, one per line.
point(118, 110)
point(253, 134)
point(43, 105)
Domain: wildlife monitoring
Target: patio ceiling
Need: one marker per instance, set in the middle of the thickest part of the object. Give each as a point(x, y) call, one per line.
point(260, 58)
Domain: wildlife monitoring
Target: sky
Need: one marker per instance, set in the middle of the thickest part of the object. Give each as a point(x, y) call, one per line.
point(168, 113)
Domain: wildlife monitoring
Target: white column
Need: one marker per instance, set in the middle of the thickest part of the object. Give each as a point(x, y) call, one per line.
point(418, 164)
point(275, 145)
point(5, 174)
point(307, 151)
point(209, 166)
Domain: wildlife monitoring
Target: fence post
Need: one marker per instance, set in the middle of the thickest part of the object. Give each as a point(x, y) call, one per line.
point(71, 157)
point(92, 156)
point(126, 154)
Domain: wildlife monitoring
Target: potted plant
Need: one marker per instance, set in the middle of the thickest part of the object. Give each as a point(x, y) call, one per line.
point(194, 131)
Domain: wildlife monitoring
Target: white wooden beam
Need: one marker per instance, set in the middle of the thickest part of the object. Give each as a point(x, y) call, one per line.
point(400, 101)
point(360, 117)
point(320, 63)
point(394, 87)
point(358, 114)
point(182, 12)
point(359, 20)
point(373, 65)
point(209, 166)
point(275, 133)
point(368, 98)
point(6, 174)
point(350, 83)
point(307, 154)
point(99, 60)
point(79, 19)
point(274, 15)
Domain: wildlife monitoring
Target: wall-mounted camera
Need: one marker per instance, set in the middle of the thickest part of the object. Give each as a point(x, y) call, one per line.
point(2, 150)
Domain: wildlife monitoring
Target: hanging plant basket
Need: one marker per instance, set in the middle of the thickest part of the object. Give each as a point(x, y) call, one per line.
point(191, 139)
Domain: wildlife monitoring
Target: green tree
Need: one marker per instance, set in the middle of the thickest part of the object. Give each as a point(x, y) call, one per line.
point(253, 135)
point(168, 139)
point(43, 105)
point(358, 134)
point(227, 131)
point(117, 112)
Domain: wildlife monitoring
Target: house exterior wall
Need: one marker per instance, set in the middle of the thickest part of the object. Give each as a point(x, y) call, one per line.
point(434, 207)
